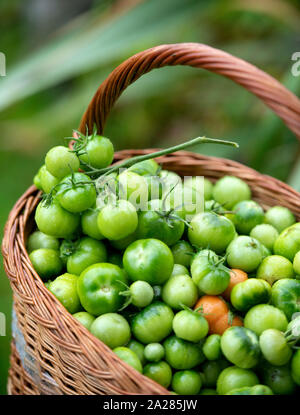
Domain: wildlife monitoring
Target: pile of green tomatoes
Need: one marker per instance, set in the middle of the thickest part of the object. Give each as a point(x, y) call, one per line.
point(203, 299)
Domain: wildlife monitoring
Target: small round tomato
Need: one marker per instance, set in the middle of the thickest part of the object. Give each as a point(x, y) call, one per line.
point(48, 181)
point(99, 288)
point(230, 190)
point(60, 161)
point(244, 253)
point(170, 180)
point(211, 371)
point(212, 347)
point(98, 151)
point(37, 180)
point(236, 276)
point(185, 201)
point(148, 260)
point(280, 217)
point(56, 221)
point(274, 268)
point(89, 224)
point(182, 354)
point(247, 214)
point(159, 225)
point(234, 377)
point(182, 252)
point(241, 347)
point(295, 367)
point(85, 318)
point(112, 329)
point(141, 294)
point(153, 323)
point(128, 356)
point(264, 316)
point(134, 188)
point(286, 296)
point(274, 347)
point(64, 288)
point(46, 262)
point(190, 325)
point(144, 168)
point(179, 270)
point(39, 240)
point(186, 382)
point(296, 263)
point(160, 372)
point(209, 275)
point(198, 183)
point(154, 352)
point(138, 348)
point(211, 230)
point(278, 378)
point(252, 390)
point(266, 234)
point(117, 220)
point(180, 290)
point(288, 242)
point(249, 293)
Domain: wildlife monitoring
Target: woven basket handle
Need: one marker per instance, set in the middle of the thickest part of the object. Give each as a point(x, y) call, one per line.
point(283, 102)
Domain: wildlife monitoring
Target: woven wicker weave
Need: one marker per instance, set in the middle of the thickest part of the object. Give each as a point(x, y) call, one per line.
point(51, 352)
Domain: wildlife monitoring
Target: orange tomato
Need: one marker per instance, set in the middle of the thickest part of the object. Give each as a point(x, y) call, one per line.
point(236, 276)
point(216, 312)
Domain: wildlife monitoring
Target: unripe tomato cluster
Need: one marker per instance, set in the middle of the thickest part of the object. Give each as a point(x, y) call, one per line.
point(202, 301)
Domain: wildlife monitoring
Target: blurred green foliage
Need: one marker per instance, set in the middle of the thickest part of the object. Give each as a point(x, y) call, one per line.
point(51, 76)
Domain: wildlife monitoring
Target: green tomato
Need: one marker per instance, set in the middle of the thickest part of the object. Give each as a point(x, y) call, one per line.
point(166, 228)
point(88, 251)
point(286, 296)
point(274, 347)
point(252, 390)
point(98, 151)
point(146, 167)
point(230, 190)
point(211, 230)
point(274, 268)
point(60, 161)
point(154, 352)
point(210, 276)
point(280, 217)
point(148, 260)
point(212, 347)
point(138, 348)
point(160, 372)
point(264, 316)
point(182, 354)
point(128, 356)
point(278, 378)
point(244, 253)
point(134, 188)
point(241, 347)
point(179, 269)
point(211, 371)
point(46, 262)
point(296, 263)
point(213, 206)
point(234, 377)
point(190, 325)
point(117, 220)
point(180, 290)
point(112, 329)
point(47, 180)
point(99, 288)
point(37, 180)
point(55, 221)
point(248, 293)
point(247, 214)
point(266, 234)
point(170, 180)
point(200, 184)
point(64, 288)
point(89, 224)
point(141, 293)
point(153, 323)
point(295, 367)
point(85, 318)
point(182, 252)
point(288, 242)
point(187, 382)
point(39, 240)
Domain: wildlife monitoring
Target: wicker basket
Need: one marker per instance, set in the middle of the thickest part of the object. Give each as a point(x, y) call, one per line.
point(51, 352)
